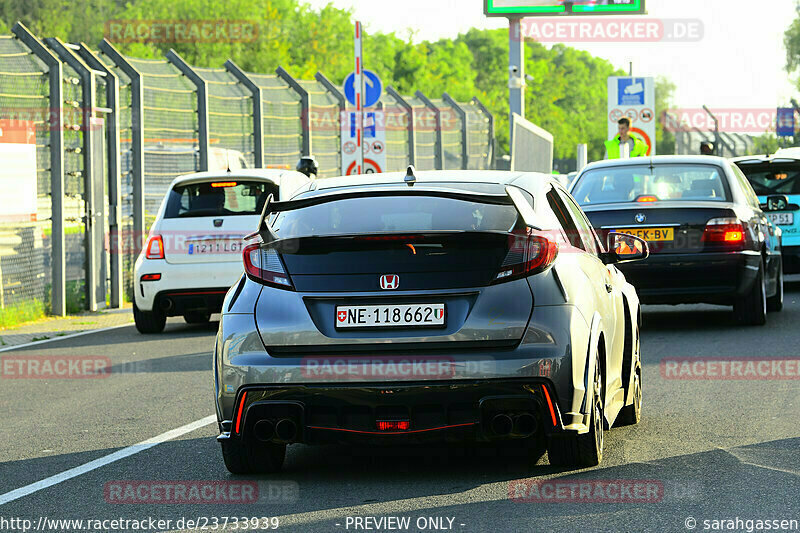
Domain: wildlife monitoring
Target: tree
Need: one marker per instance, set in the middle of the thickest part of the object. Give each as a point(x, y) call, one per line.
point(665, 93)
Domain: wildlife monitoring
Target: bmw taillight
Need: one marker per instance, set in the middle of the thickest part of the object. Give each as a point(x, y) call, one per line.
point(265, 266)
point(727, 231)
point(528, 254)
point(154, 249)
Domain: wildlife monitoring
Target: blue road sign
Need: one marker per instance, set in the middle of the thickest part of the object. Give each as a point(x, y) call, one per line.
point(785, 126)
point(372, 88)
point(630, 91)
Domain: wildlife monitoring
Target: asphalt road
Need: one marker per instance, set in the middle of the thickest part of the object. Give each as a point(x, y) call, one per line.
point(715, 449)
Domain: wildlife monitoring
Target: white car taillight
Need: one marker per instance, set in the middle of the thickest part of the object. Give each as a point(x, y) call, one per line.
point(154, 249)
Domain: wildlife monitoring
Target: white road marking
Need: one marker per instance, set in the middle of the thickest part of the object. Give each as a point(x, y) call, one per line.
point(62, 338)
point(103, 461)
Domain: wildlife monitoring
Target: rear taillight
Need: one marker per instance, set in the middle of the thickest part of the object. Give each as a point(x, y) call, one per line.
point(528, 254)
point(265, 266)
point(729, 231)
point(154, 249)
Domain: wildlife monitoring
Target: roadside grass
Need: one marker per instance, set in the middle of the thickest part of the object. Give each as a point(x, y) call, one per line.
point(19, 313)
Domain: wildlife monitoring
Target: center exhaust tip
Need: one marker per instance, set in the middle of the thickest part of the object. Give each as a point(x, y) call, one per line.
point(502, 424)
point(286, 430)
point(263, 430)
point(525, 425)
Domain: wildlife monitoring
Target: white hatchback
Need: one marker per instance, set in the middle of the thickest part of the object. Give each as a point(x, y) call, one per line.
point(192, 255)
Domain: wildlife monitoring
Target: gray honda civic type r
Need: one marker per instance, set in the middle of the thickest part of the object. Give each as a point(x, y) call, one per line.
point(443, 306)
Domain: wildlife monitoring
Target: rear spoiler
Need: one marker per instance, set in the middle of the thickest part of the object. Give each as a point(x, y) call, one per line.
point(513, 196)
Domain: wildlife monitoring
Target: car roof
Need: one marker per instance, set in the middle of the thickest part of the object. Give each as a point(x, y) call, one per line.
point(657, 160)
point(765, 158)
point(493, 177)
point(265, 174)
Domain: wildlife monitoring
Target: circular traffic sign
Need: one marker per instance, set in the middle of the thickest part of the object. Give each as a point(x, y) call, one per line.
point(632, 114)
point(373, 87)
point(349, 147)
point(615, 115)
point(645, 137)
point(377, 147)
point(370, 167)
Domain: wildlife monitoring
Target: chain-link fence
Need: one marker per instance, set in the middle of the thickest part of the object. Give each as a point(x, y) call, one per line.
point(24, 126)
point(173, 119)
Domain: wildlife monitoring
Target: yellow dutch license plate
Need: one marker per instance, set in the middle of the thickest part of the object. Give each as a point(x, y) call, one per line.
point(651, 234)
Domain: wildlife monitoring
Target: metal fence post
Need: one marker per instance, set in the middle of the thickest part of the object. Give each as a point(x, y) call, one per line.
point(58, 300)
point(305, 105)
point(337, 94)
point(258, 110)
point(412, 137)
point(137, 142)
point(114, 178)
point(88, 92)
point(464, 129)
point(491, 130)
point(202, 104)
point(439, 149)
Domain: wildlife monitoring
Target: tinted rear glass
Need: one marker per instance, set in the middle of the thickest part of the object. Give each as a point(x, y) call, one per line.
point(775, 178)
point(219, 198)
point(393, 214)
point(665, 182)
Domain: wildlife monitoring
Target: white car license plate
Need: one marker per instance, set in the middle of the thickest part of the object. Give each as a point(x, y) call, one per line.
point(378, 316)
point(782, 219)
point(215, 247)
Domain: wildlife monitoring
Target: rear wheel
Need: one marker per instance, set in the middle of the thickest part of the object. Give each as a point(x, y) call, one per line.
point(775, 303)
point(752, 308)
point(149, 321)
point(581, 450)
point(250, 458)
point(196, 317)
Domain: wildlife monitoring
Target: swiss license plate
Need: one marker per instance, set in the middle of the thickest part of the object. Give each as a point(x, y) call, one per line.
point(781, 219)
point(651, 234)
point(215, 247)
point(382, 316)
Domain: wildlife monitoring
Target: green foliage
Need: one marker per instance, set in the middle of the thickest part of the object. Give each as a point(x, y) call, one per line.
point(767, 143)
point(665, 92)
point(25, 311)
point(791, 41)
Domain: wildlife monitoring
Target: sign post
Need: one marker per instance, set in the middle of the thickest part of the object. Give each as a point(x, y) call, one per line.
point(633, 97)
point(363, 131)
point(359, 89)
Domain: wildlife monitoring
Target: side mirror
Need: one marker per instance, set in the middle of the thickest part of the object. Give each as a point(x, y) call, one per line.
point(777, 202)
point(623, 248)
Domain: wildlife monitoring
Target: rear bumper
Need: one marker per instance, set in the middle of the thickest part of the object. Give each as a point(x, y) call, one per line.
point(444, 411)
point(209, 280)
point(715, 278)
point(791, 259)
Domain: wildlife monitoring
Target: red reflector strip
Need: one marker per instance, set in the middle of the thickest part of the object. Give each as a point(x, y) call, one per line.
point(550, 405)
point(224, 184)
point(394, 433)
point(393, 425)
point(151, 277)
point(239, 414)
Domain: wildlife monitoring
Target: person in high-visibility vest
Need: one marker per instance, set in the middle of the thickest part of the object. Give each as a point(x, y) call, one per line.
point(637, 147)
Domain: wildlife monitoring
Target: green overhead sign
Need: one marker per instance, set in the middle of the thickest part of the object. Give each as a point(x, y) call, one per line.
point(549, 8)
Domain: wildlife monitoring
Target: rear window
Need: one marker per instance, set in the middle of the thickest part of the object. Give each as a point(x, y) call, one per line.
point(219, 198)
point(774, 178)
point(662, 182)
point(400, 214)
